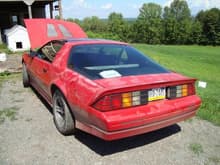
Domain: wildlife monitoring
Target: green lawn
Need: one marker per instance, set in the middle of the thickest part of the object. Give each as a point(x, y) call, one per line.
point(201, 62)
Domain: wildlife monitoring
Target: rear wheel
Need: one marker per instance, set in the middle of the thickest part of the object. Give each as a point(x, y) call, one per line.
point(62, 116)
point(25, 76)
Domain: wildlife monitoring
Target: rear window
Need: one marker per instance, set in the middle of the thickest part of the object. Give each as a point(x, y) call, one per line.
point(98, 61)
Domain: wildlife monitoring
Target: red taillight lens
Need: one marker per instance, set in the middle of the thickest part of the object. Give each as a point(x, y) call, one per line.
point(108, 103)
point(191, 89)
point(103, 104)
point(116, 101)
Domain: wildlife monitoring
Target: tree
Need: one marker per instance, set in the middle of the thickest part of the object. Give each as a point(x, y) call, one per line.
point(179, 10)
point(148, 25)
point(117, 25)
point(177, 23)
point(93, 24)
point(210, 21)
point(170, 27)
point(196, 33)
point(77, 21)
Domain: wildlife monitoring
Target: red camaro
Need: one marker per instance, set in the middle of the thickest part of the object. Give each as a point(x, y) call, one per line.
point(105, 88)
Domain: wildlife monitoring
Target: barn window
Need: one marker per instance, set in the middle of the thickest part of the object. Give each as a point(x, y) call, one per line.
point(14, 19)
point(19, 45)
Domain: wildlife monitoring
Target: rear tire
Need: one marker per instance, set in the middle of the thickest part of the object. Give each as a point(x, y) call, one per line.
point(25, 76)
point(63, 119)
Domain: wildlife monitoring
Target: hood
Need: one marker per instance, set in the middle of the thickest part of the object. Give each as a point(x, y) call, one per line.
point(41, 31)
point(143, 80)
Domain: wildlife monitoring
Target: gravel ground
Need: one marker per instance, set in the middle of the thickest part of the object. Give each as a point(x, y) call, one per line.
point(28, 136)
point(12, 64)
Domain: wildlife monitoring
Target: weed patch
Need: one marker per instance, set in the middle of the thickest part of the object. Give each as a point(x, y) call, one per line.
point(5, 74)
point(196, 148)
point(8, 113)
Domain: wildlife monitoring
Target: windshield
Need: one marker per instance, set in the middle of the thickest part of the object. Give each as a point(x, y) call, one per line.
point(98, 61)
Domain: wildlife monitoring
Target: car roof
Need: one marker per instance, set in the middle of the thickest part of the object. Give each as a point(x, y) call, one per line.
point(76, 41)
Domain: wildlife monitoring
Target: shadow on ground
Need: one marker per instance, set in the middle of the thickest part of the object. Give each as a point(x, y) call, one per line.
point(103, 148)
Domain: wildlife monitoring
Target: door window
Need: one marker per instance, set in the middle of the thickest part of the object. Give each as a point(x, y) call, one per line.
point(49, 51)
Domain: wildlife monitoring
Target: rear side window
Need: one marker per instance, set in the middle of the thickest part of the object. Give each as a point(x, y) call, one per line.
point(51, 31)
point(64, 31)
point(98, 61)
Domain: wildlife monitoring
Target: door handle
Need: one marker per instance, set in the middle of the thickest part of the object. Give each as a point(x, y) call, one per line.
point(44, 70)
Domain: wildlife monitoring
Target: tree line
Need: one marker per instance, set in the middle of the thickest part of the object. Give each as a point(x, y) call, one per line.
point(157, 25)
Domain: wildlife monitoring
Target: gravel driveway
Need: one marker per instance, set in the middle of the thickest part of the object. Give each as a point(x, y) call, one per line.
point(28, 136)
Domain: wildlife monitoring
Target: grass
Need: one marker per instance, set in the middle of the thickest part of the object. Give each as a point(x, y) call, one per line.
point(9, 113)
point(201, 62)
point(4, 74)
point(3, 48)
point(196, 148)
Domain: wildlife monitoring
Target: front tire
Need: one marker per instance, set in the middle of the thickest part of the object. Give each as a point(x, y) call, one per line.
point(25, 76)
point(62, 116)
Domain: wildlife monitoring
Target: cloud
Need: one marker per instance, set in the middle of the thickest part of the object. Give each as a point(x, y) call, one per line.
point(167, 3)
point(197, 5)
point(203, 4)
point(135, 6)
point(107, 6)
point(80, 3)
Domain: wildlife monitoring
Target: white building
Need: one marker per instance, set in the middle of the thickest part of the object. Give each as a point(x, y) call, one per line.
point(17, 38)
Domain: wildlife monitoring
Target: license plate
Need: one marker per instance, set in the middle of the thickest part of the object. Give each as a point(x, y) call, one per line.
point(156, 94)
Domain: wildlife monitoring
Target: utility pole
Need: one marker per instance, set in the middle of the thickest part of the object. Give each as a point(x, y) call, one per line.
point(60, 9)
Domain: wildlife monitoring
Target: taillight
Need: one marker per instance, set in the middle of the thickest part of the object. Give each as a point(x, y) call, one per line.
point(122, 100)
point(180, 91)
point(136, 98)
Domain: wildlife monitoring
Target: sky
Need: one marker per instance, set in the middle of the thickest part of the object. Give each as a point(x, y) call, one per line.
point(129, 8)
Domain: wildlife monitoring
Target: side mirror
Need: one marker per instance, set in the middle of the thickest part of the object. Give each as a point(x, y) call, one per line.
point(33, 53)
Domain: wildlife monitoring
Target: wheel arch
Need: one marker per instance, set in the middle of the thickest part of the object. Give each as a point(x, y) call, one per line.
point(55, 87)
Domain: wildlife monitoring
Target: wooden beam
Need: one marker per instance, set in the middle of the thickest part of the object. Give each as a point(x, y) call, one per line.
point(60, 9)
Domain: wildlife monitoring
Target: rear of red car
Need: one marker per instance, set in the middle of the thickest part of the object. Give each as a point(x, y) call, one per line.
point(129, 106)
point(132, 94)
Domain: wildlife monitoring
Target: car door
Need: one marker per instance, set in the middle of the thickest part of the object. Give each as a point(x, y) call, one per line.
point(41, 67)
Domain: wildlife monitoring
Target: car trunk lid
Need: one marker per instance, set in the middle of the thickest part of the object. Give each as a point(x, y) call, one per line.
point(151, 80)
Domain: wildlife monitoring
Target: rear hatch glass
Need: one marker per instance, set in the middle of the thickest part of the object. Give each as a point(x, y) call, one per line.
point(98, 61)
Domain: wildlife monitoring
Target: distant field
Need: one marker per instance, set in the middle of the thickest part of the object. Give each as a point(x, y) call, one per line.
point(201, 62)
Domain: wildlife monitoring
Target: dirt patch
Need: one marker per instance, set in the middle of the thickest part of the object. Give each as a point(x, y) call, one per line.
point(32, 138)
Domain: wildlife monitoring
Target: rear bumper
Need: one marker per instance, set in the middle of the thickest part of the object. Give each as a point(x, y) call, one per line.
point(117, 129)
point(157, 124)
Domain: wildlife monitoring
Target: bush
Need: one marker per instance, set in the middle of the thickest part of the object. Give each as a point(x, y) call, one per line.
point(106, 35)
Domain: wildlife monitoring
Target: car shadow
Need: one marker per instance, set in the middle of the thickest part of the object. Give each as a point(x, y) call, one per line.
point(104, 148)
